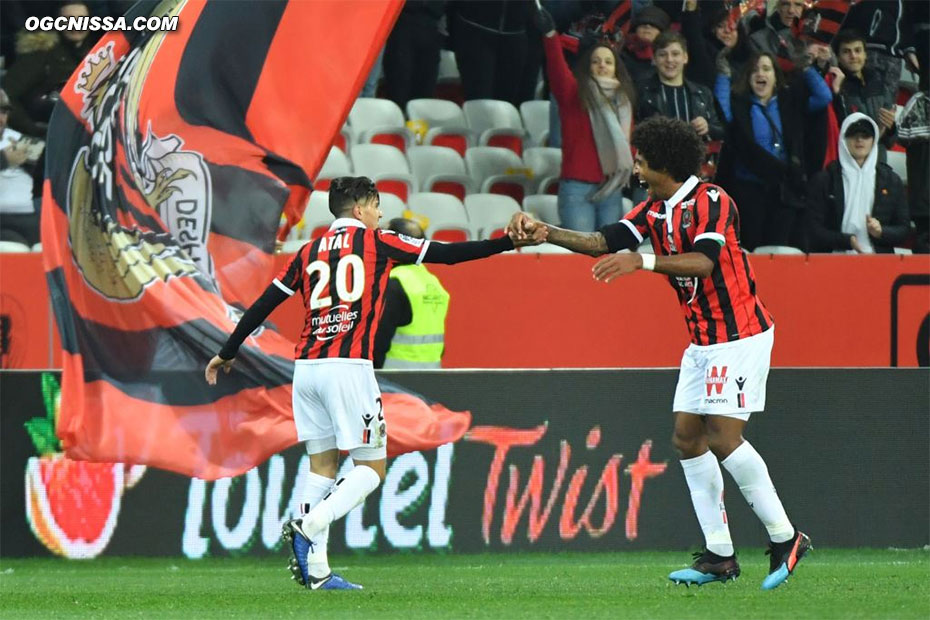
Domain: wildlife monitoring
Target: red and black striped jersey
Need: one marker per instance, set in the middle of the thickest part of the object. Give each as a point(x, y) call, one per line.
point(342, 277)
point(724, 306)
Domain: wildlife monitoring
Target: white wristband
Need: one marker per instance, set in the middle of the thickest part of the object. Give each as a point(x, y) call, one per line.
point(649, 262)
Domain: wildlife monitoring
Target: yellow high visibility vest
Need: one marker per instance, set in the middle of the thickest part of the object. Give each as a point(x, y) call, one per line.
point(420, 343)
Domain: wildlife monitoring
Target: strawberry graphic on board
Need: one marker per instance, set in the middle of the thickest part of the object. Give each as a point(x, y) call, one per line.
point(71, 506)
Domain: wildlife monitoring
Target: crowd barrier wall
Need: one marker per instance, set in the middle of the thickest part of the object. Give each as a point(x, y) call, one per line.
point(554, 461)
point(545, 311)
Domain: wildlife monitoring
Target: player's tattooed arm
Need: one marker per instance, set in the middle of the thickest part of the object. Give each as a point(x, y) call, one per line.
point(592, 244)
point(523, 225)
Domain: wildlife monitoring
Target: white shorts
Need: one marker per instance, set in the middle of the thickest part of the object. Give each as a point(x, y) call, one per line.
point(725, 379)
point(337, 404)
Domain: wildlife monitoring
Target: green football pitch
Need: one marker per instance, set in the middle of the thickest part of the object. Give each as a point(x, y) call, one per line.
point(830, 583)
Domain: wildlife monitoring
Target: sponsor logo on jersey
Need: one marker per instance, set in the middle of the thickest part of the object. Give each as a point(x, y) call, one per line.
point(339, 321)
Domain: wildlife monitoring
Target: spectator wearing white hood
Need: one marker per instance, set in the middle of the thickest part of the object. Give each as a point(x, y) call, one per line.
point(857, 204)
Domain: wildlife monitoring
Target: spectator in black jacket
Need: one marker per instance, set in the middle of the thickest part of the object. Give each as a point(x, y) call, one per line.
point(668, 93)
point(888, 35)
point(857, 204)
point(707, 36)
point(411, 54)
point(491, 46)
point(863, 89)
point(44, 62)
point(647, 24)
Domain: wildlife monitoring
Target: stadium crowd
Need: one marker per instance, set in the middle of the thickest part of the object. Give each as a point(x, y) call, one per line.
point(766, 84)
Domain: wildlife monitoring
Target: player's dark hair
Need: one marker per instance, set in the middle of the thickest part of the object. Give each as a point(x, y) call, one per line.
point(403, 226)
point(346, 192)
point(668, 38)
point(845, 37)
point(669, 145)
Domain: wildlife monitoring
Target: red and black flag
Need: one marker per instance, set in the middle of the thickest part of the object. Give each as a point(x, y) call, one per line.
point(824, 19)
point(171, 159)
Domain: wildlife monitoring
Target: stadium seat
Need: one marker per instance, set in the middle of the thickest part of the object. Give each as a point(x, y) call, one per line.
point(379, 121)
point(489, 214)
point(543, 207)
point(497, 170)
point(14, 247)
point(436, 112)
point(456, 138)
point(448, 220)
point(535, 115)
point(627, 205)
point(777, 249)
point(546, 165)
point(316, 219)
point(440, 169)
point(344, 139)
point(386, 166)
point(448, 67)
point(391, 207)
point(496, 123)
point(290, 246)
point(336, 165)
point(898, 163)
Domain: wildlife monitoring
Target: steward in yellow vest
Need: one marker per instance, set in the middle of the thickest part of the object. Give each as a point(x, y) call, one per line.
point(411, 333)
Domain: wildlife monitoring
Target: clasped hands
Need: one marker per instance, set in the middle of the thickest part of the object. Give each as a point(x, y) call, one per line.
point(523, 230)
point(522, 227)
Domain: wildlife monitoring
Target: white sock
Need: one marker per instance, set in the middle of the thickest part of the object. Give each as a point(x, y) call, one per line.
point(750, 473)
point(706, 484)
point(347, 493)
point(316, 489)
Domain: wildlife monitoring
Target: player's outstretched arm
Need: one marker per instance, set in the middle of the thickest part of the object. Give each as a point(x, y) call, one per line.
point(253, 317)
point(523, 225)
point(452, 253)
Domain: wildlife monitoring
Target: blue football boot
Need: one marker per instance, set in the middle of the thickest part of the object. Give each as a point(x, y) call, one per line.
point(784, 558)
point(300, 548)
point(333, 581)
point(707, 567)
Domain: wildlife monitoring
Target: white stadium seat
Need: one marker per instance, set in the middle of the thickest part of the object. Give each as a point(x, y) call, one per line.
point(535, 115)
point(546, 164)
point(391, 207)
point(436, 112)
point(446, 214)
point(497, 170)
point(777, 249)
point(14, 247)
point(898, 163)
point(496, 123)
point(316, 219)
point(489, 214)
point(440, 169)
point(386, 166)
point(336, 165)
point(379, 121)
point(543, 207)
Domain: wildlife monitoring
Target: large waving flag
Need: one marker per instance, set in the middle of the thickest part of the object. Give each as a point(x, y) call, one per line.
point(170, 161)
